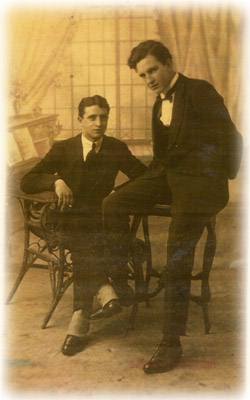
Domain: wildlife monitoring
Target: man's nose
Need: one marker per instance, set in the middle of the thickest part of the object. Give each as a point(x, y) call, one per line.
point(98, 121)
point(149, 79)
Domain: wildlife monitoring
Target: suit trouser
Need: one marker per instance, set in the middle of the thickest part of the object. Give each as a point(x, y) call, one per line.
point(84, 237)
point(184, 232)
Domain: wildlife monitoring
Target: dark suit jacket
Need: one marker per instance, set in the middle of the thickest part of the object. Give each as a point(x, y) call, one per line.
point(64, 161)
point(204, 147)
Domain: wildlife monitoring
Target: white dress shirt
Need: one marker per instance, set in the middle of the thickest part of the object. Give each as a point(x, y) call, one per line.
point(167, 105)
point(87, 146)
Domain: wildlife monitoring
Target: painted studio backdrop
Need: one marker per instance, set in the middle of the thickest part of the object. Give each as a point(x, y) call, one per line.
point(56, 57)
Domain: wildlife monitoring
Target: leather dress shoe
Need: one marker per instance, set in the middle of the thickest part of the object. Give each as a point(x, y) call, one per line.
point(73, 344)
point(111, 308)
point(165, 358)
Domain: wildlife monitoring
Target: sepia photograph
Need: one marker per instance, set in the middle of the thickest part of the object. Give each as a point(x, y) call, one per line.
point(124, 236)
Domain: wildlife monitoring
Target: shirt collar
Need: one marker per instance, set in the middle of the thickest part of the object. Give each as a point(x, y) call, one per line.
point(172, 83)
point(86, 143)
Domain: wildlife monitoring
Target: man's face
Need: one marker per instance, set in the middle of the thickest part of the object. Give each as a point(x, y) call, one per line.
point(94, 122)
point(156, 75)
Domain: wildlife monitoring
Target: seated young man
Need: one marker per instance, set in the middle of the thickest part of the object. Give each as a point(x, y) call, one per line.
point(82, 171)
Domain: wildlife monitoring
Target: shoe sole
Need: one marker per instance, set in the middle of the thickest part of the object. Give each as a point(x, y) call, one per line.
point(78, 349)
point(162, 370)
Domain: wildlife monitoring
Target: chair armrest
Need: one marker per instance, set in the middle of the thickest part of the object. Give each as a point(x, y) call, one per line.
point(43, 197)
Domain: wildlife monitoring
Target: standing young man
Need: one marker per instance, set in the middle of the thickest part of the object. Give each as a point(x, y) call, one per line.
point(197, 148)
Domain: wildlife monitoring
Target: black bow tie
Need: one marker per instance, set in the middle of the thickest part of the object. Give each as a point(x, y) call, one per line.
point(168, 97)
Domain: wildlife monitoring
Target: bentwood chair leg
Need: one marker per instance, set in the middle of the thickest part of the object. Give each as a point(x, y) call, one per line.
point(55, 301)
point(148, 248)
point(52, 309)
point(206, 319)
point(137, 265)
point(52, 275)
point(24, 267)
point(149, 262)
point(60, 292)
point(132, 318)
point(61, 287)
point(210, 248)
point(19, 279)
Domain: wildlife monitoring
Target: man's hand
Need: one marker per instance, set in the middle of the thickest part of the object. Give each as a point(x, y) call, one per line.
point(64, 194)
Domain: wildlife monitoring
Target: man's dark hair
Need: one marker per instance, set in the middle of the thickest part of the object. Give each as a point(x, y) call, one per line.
point(92, 101)
point(149, 47)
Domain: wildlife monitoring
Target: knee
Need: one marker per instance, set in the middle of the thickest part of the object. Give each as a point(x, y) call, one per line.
point(110, 204)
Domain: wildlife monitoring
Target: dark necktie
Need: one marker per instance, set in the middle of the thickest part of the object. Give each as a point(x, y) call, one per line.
point(91, 154)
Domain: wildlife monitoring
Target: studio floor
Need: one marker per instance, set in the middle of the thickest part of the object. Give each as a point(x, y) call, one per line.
point(112, 364)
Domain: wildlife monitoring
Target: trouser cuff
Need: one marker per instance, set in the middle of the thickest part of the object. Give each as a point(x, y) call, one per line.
point(79, 324)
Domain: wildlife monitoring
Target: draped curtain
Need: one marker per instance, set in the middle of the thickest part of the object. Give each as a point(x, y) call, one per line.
point(207, 45)
point(38, 43)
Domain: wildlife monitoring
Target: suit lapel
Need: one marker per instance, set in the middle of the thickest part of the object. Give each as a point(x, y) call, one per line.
point(103, 152)
point(178, 109)
point(157, 108)
point(75, 154)
point(74, 151)
point(77, 150)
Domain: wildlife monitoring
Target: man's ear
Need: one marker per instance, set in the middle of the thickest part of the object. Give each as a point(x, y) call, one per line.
point(79, 118)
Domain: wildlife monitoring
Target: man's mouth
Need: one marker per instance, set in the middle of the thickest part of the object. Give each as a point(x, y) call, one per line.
point(154, 87)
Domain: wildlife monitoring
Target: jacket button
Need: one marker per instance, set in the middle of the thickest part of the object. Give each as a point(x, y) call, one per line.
point(176, 145)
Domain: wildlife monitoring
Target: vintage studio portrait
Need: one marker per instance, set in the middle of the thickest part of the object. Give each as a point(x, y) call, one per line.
point(125, 259)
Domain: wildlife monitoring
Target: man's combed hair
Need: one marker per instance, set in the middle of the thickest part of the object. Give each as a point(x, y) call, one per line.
point(92, 101)
point(149, 47)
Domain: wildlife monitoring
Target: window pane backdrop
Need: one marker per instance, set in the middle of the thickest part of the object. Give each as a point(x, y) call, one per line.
point(97, 64)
